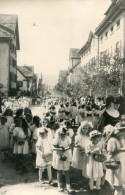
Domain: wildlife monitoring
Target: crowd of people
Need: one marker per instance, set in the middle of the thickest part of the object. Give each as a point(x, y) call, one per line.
point(87, 134)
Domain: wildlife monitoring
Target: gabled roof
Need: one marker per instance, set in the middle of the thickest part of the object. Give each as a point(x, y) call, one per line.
point(87, 44)
point(27, 71)
point(21, 72)
point(9, 23)
point(73, 53)
point(75, 66)
point(116, 8)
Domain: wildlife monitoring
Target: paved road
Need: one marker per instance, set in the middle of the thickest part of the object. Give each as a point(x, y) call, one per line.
point(13, 182)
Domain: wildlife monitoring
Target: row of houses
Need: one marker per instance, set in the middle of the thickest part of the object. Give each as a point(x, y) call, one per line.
point(13, 78)
point(108, 39)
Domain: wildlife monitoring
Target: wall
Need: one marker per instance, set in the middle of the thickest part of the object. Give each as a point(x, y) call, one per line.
point(4, 66)
point(20, 77)
point(117, 35)
point(91, 54)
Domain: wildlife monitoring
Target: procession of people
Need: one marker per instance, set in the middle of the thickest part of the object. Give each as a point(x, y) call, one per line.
point(87, 134)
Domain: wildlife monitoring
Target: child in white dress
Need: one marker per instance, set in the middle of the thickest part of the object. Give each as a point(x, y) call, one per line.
point(62, 157)
point(44, 154)
point(4, 136)
point(94, 169)
point(113, 148)
point(79, 153)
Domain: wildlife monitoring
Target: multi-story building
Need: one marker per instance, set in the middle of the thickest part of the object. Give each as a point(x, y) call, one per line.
point(9, 44)
point(28, 72)
point(111, 31)
point(89, 54)
point(74, 60)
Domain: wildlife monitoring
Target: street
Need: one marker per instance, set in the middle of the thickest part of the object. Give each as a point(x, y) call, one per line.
point(13, 182)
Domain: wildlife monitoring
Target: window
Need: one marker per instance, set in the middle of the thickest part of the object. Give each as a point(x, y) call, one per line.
point(101, 39)
point(112, 28)
point(106, 34)
point(117, 49)
point(118, 23)
point(20, 83)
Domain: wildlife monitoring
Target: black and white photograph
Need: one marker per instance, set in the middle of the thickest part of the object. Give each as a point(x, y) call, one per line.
point(62, 97)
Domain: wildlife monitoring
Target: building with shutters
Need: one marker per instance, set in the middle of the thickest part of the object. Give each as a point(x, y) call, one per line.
point(9, 44)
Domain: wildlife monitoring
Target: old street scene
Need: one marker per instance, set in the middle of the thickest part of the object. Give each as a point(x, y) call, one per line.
point(62, 97)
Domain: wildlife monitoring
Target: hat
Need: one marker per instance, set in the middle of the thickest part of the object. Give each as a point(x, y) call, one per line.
point(62, 131)
point(94, 133)
point(109, 130)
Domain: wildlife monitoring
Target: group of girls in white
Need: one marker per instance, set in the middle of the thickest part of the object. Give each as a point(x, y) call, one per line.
point(88, 149)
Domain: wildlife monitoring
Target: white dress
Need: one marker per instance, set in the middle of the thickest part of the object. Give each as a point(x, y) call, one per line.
point(94, 169)
point(114, 146)
point(57, 163)
point(19, 134)
point(79, 158)
point(45, 146)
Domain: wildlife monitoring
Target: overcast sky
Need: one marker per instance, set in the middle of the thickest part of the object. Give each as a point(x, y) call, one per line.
point(59, 26)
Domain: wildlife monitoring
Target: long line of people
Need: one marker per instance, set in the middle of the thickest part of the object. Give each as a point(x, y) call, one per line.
point(82, 134)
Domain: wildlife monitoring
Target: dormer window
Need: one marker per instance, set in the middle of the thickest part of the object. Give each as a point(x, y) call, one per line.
point(118, 23)
point(101, 39)
point(112, 28)
point(106, 34)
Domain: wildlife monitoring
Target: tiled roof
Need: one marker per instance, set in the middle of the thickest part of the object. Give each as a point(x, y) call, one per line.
point(116, 8)
point(28, 71)
point(87, 44)
point(4, 33)
point(74, 53)
point(9, 23)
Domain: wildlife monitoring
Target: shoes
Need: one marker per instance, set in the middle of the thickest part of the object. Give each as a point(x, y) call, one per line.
point(41, 181)
point(51, 182)
point(60, 189)
point(69, 190)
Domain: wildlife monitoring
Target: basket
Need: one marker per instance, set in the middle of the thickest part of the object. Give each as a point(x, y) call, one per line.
point(113, 164)
point(63, 158)
point(99, 157)
point(20, 142)
point(48, 157)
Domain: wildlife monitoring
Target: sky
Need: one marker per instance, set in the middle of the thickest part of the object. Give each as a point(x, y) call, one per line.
point(59, 26)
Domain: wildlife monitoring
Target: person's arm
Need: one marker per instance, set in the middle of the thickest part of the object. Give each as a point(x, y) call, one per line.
point(39, 151)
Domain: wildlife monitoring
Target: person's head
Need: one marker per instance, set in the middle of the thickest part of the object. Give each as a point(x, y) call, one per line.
point(85, 128)
point(44, 122)
point(67, 104)
point(47, 114)
point(36, 121)
point(19, 112)
point(62, 133)
point(83, 106)
point(3, 120)
point(66, 124)
point(95, 136)
point(61, 105)
point(27, 111)
point(28, 118)
point(110, 102)
point(8, 112)
point(43, 132)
